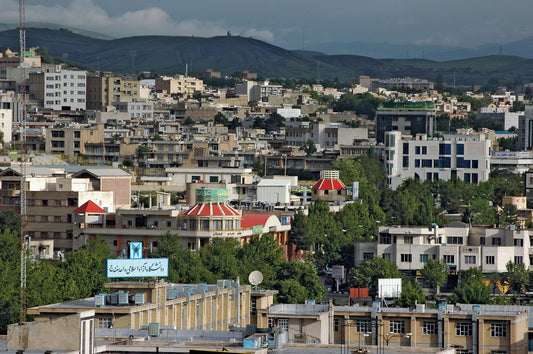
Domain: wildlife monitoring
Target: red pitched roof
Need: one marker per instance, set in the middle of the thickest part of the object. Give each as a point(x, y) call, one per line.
point(90, 208)
point(211, 209)
point(251, 220)
point(329, 184)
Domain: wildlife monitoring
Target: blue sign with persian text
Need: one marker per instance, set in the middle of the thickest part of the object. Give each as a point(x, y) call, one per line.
point(137, 268)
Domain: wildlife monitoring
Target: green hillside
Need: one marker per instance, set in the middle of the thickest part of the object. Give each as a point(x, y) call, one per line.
point(228, 54)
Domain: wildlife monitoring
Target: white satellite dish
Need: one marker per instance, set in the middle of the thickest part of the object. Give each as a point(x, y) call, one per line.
point(255, 278)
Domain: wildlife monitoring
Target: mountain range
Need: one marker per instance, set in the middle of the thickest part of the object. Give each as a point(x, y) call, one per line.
point(228, 54)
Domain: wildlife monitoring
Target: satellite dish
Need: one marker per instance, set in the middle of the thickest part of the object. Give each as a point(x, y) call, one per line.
point(255, 278)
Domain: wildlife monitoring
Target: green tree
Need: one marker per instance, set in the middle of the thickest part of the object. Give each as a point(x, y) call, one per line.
point(309, 147)
point(142, 150)
point(261, 253)
point(220, 258)
point(9, 219)
point(412, 294)
point(471, 289)
point(86, 266)
point(304, 274)
point(507, 215)
point(185, 266)
point(9, 278)
point(299, 231)
point(516, 276)
point(368, 273)
point(221, 119)
point(436, 273)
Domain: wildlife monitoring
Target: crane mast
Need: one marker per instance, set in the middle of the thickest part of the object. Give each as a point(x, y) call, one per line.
point(24, 240)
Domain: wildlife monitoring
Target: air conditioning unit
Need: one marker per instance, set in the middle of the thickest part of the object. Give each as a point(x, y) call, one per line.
point(99, 300)
point(113, 299)
point(123, 298)
point(139, 299)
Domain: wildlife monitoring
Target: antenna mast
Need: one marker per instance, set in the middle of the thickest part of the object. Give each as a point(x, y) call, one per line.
point(22, 125)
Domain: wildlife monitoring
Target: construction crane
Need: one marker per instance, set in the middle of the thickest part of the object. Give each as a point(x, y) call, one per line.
point(24, 240)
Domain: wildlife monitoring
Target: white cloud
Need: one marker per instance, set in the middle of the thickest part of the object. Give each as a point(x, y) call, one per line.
point(85, 14)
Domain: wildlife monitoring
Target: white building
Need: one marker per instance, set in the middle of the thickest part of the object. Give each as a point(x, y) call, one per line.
point(59, 89)
point(274, 191)
point(137, 109)
point(500, 116)
point(255, 91)
point(6, 119)
point(465, 156)
point(409, 248)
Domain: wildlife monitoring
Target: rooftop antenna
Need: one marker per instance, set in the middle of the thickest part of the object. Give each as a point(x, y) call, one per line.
point(22, 125)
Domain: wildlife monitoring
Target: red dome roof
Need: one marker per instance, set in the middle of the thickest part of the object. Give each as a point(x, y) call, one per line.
point(329, 184)
point(90, 208)
point(211, 209)
point(251, 220)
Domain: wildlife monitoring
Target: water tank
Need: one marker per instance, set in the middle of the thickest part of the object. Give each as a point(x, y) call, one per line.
point(113, 299)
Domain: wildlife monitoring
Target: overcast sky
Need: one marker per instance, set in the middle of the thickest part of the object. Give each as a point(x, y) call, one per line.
point(466, 23)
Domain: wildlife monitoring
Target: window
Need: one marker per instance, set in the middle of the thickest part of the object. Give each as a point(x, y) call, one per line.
point(448, 258)
point(518, 242)
point(385, 239)
point(57, 202)
point(417, 150)
point(470, 259)
point(454, 240)
point(406, 148)
point(283, 323)
point(405, 161)
point(104, 322)
point(406, 258)
point(460, 149)
point(213, 179)
point(489, 259)
point(427, 163)
point(408, 240)
point(335, 325)
point(482, 240)
point(429, 327)
point(475, 163)
point(386, 256)
point(498, 330)
point(496, 241)
point(518, 259)
point(466, 177)
point(397, 327)
point(217, 224)
point(445, 149)
point(229, 224)
point(463, 329)
point(424, 258)
point(363, 326)
point(424, 150)
point(253, 306)
point(367, 256)
point(417, 163)
point(204, 224)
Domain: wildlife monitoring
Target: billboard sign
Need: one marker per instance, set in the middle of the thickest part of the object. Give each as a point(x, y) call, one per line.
point(137, 268)
point(337, 272)
point(207, 195)
point(389, 287)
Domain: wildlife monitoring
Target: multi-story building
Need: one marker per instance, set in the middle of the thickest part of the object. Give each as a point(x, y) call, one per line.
point(325, 135)
point(409, 248)
point(256, 91)
point(71, 140)
point(59, 89)
point(466, 157)
point(500, 116)
point(409, 118)
point(525, 130)
point(137, 109)
point(54, 194)
point(108, 89)
point(179, 85)
point(403, 84)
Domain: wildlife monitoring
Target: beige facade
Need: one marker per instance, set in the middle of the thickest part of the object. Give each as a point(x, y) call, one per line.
point(180, 85)
point(71, 140)
point(105, 90)
point(195, 307)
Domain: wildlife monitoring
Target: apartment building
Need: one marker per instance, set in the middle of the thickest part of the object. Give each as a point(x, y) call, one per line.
point(409, 118)
point(178, 85)
point(256, 91)
point(71, 140)
point(107, 89)
point(466, 157)
point(137, 109)
point(325, 135)
point(54, 193)
point(500, 116)
point(59, 89)
point(409, 248)
point(525, 129)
